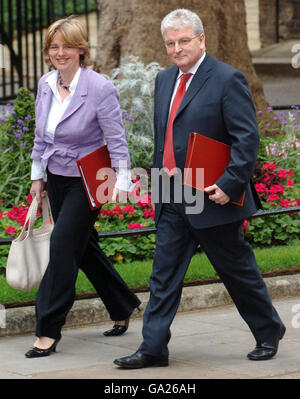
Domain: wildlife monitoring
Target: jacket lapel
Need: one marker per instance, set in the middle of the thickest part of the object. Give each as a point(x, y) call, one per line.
point(201, 76)
point(78, 97)
point(166, 95)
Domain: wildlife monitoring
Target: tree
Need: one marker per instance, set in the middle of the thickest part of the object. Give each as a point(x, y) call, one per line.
point(132, 27)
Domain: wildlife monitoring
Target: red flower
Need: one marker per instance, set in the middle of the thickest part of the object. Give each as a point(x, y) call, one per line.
point(246, 224)
point(1, 215)
point(135, 225)
point(282, 173)
point(290, 182)
point(261, 188)
point(285, 203)
point(149, 213)
point(277, 188)
point(290, 173)
point(11, 230)
point(29, 198)
point(269, 166)
point(298, 201)
point(272, 197)
point(266, 178)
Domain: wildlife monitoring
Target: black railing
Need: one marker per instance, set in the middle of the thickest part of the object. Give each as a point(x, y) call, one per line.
point(22, 29)
point(152, 230)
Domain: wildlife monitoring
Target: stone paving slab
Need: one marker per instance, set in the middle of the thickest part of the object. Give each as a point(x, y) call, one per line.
point(209, 343)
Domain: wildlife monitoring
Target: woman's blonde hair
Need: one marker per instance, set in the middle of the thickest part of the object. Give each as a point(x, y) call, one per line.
point(72, 32)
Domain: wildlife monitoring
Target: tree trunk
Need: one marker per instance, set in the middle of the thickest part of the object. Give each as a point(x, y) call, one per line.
point(132, 27)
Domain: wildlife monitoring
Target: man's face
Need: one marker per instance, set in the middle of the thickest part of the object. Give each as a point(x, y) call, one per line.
point(184, 52)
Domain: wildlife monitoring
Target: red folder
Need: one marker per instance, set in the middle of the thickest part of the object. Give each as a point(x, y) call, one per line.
point(95, 170)
point(209, 154)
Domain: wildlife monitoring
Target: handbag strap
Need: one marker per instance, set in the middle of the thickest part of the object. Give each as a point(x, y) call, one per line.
point(31, 215)
point(47, 214)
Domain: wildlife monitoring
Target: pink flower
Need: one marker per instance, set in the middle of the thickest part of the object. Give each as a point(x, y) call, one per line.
point(298, 201)
point(246, 224)
point(1, 215)
point(290, 182)
point(290, 173)
point(29, 198)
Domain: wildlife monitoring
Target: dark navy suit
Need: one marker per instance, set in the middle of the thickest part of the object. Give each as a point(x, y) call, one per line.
point(218, 104)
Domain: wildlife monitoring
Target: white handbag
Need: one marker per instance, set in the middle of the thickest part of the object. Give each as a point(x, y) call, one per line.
point(28, 256)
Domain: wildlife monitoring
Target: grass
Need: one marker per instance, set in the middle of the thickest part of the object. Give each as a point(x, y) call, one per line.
point(137, 274)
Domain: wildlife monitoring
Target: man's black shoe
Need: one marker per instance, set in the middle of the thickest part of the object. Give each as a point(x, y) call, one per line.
point(266, 350)
point(139, 360)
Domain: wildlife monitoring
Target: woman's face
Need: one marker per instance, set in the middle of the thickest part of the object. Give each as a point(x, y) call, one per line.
point(63, 56)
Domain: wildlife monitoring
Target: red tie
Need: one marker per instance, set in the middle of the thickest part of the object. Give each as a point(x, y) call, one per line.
point(169, 162)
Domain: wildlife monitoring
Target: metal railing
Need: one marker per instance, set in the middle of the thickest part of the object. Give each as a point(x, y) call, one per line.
point(23, 24)
point(152, 230)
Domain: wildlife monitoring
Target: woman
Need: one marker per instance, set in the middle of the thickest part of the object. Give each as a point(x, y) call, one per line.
point(76, 109)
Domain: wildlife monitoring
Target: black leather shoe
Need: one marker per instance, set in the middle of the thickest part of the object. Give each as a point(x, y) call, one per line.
point(266, 350)
point(37, 352)
point(139, 360)
point(117, 329)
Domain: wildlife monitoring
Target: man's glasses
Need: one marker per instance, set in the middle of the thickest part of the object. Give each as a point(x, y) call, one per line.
point(181, 42)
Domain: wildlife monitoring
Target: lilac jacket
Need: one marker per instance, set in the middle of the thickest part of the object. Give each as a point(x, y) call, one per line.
point(92, 118)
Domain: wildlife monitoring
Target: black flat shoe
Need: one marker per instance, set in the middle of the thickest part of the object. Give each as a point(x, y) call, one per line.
point(37, 352)
point(266, 350)
point(139, 360)
point(117, 330)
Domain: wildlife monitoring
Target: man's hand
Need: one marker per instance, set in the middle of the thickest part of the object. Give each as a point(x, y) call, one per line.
point(217, 195)
point(38, 190)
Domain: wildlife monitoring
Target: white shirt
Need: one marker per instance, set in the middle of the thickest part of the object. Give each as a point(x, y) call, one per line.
point(56, 112)
point(193, 70)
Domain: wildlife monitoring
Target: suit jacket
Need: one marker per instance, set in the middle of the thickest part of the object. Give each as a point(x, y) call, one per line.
point(218, 104)
point(92, 116)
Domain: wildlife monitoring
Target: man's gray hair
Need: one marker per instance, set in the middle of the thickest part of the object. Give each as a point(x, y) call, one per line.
point(182, 18)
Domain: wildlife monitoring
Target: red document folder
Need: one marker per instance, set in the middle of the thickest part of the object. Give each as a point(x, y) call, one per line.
point(95, 170)
point(209, 154)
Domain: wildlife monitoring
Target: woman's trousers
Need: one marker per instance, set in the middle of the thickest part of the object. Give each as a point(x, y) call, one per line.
point(73, 245)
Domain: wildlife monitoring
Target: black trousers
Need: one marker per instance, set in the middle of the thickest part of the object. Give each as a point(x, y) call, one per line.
point(232, 258)
point(74, 244)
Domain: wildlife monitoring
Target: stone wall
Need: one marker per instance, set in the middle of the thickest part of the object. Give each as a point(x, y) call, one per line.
point(289, 20)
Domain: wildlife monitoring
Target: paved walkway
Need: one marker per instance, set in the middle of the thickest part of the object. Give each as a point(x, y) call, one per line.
point(206, 344)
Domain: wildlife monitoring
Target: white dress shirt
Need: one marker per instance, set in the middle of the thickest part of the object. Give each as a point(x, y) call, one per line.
point(57, 109)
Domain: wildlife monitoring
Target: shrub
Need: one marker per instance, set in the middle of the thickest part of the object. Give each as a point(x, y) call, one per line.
point(16, 141)
point(135, 83)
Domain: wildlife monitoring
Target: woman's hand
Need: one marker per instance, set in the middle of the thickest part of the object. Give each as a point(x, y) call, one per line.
point(38, 189)
point(119, 196)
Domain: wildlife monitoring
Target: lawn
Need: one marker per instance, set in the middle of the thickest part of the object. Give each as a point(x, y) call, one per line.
point(137, 274)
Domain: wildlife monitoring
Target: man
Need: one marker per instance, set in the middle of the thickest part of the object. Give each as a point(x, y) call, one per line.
point(218, 104)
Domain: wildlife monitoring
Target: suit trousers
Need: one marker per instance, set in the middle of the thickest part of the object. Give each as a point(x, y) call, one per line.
point(74, 244)
point(233, 260)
